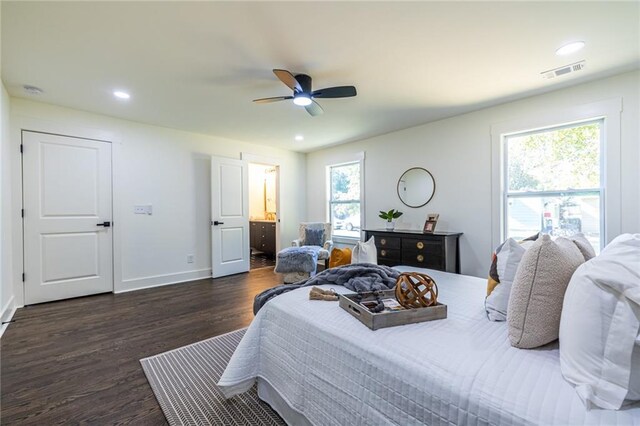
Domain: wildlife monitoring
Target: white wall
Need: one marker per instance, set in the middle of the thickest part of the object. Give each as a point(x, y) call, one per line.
point(6, 289)
point(6, 269)
point(457, 151)
point(168, 169)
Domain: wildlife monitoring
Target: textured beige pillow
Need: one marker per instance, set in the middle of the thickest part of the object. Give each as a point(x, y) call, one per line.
point(584, 246)
point(537, 292)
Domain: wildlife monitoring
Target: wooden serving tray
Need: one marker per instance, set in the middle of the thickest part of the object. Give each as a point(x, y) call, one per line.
point(384, 319)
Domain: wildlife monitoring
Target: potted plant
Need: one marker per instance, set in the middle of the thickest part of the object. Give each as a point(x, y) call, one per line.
point(390, 217)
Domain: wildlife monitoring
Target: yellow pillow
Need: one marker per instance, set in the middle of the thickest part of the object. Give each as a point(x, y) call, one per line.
point(340, 257)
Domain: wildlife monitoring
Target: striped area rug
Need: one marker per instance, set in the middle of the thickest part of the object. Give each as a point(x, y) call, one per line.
point(184, 382)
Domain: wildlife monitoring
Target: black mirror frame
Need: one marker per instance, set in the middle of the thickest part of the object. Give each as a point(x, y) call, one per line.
point(432, 193)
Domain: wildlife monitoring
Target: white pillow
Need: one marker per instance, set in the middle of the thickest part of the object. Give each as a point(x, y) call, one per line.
point(600, 326)
point(365, 252)
point(508, 257)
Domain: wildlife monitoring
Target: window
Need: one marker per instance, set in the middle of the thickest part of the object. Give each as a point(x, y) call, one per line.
point(344, 199)
point(554, 182)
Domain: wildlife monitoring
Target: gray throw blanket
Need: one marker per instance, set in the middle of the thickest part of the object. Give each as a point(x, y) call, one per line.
point(297, 259)
point(356, 277)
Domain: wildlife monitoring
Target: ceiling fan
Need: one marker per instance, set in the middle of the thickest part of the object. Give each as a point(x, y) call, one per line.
point(302, 94)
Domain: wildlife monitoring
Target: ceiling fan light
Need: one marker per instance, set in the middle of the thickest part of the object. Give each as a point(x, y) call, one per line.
point(302, 99)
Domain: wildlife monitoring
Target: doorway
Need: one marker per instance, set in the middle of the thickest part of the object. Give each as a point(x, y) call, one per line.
point(67, 211)
point(263, 216)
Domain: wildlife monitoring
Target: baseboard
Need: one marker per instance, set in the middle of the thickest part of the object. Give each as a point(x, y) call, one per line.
point(8, 310)
point(160, 280)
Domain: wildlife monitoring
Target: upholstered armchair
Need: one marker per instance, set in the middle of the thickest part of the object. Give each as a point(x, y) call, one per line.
point(315, 234)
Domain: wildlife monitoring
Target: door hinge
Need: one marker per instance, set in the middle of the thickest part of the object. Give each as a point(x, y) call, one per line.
point(22, 213)
point(23, 277)
point(21, 148)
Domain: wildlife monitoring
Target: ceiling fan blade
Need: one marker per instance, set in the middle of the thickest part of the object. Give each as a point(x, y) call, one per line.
point(287, 78)
point(274, 99)
point(314, 108)
point(335, 92)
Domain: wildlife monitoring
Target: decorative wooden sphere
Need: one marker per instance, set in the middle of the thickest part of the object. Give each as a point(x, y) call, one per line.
point(416, 290)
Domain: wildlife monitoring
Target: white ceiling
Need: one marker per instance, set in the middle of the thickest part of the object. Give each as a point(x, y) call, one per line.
point(196, 66)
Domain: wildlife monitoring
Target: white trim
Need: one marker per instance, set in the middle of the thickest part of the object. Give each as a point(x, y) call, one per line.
point(359, 158)
point(162, 280)
point(345, 240)
point(610, 110)
point(260, 159)
point(8, 311)
point(22, 123)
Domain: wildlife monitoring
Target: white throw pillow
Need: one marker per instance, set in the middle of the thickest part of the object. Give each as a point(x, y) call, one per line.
point(600, 326)
point(365, 252)
point(508, 256)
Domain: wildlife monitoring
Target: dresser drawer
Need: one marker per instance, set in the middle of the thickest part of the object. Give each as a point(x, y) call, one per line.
point(421, 245)
point(388, 262)
point(388, 242)
point(423, 260)
point(439, 250)
point(390, 254)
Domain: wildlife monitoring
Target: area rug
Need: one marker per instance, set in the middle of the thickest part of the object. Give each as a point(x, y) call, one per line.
point(184, 382)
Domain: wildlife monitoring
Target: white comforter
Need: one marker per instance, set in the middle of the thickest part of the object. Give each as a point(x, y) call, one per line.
point(460, 370)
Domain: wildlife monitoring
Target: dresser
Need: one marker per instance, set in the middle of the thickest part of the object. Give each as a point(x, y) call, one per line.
point(440, 250)
point(262, 236)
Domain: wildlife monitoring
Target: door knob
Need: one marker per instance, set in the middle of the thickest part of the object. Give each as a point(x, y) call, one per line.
point(216, 223)
point(105, 224)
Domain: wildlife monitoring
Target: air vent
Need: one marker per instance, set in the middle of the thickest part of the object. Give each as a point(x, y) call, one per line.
point(567, 69)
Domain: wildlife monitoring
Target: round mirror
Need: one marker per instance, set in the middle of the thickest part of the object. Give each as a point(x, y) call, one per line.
point(416, 187)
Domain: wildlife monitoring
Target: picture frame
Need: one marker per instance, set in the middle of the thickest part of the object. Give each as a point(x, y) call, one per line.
point(429, 226)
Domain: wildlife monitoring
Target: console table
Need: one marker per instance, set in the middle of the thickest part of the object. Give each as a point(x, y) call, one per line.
point(440, 250)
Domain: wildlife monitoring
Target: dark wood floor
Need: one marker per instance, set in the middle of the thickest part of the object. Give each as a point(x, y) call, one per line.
point(77, 361)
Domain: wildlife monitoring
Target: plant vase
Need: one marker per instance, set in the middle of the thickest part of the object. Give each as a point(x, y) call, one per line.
point(390, 217)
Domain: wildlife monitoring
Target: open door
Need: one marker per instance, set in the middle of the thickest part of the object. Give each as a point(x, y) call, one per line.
point(67, 217)
point(229, 217)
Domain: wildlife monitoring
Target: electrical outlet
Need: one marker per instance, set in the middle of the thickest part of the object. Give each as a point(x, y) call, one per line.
point(190, 258)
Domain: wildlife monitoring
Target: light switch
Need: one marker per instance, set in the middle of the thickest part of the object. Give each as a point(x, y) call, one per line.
point(143, 209)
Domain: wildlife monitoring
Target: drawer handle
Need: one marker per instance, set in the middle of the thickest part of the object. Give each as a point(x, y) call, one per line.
point(420, 258)
point(383, 241)
point(420, 245)
point(383, 253)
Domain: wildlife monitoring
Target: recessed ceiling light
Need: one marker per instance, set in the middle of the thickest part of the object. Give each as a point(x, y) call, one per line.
point(299, 138)
point(121, 95)
point(570, 48)
point(32, 90)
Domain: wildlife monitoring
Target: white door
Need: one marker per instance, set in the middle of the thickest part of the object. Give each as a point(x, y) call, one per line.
point(229, 216)
point(67, 217)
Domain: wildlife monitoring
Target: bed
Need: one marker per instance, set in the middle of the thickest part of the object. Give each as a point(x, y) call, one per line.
point(315, 364)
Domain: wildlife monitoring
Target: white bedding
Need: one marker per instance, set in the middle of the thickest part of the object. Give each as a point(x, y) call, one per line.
point(461, 370)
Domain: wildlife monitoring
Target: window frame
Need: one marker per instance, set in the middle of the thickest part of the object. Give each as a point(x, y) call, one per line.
point(330, 202)
point(600, 190)
point(542, 117)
